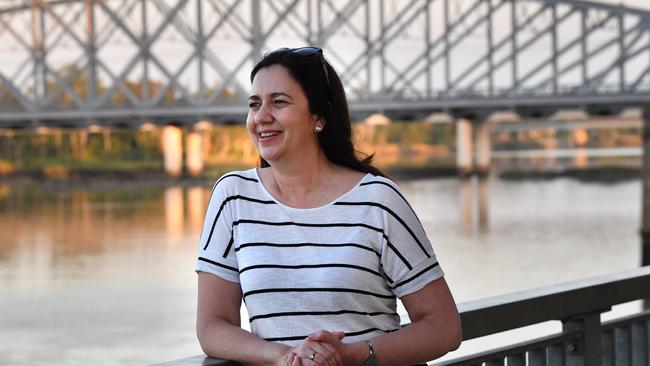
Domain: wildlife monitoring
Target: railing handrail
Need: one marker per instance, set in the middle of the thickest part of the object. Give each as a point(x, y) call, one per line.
point(562, 301)
point(553, 302)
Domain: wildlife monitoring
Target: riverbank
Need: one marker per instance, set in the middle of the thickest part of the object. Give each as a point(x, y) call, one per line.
point(103, 179)
point(602, 174)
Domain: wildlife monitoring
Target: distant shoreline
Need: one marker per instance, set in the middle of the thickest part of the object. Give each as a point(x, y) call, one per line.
point(106, 179)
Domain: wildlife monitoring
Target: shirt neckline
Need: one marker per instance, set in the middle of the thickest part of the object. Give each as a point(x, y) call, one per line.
point(325, 205)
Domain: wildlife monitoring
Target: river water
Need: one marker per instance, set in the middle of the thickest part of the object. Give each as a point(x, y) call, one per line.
point(104, 276)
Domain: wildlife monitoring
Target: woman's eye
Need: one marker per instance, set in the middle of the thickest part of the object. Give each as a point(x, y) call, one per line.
point(280, 102)
point(253, 104)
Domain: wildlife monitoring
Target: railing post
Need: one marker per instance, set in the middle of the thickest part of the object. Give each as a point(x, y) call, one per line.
point(588, 352)
point(645, 205)
point(645, 175)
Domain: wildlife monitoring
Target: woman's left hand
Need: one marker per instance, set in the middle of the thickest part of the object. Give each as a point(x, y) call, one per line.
point(318, 350)
point(331, 340)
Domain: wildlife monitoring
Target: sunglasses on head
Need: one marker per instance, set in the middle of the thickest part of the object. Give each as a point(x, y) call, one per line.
point(304, 51)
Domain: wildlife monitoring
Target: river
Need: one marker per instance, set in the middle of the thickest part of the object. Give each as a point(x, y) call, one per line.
point(104, 276)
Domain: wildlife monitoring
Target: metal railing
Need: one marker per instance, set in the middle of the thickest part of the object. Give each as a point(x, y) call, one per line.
point(583, 341)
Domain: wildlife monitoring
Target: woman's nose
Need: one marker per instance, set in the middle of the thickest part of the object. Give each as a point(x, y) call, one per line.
point(263, 114)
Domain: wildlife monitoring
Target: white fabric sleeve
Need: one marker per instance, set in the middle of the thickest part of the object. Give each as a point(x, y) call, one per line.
point(408, 259)
point(216, 249)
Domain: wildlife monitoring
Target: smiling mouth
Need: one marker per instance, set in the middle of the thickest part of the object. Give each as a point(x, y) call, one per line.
point(268, 134)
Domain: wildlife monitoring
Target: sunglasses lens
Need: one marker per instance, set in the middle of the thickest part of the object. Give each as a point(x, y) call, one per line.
point(277, 52)
point(303, 51)
point(306, 51)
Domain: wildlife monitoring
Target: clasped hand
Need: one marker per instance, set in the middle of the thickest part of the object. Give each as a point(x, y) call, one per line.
point(321, 348)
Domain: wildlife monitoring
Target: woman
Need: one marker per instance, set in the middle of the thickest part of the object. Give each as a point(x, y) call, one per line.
point(316, 242)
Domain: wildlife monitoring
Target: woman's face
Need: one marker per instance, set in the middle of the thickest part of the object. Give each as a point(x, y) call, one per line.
point(279, 121)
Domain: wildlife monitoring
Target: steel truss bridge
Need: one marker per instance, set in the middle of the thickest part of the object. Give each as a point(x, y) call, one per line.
point(125, 62)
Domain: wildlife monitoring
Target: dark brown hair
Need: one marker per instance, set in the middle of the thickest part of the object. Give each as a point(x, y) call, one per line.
point(327, 99)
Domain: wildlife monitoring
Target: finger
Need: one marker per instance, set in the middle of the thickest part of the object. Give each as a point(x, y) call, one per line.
point(296, 361)
point(305, 361)
point(324, 360)
point(340, 335)
point(332, 352)
point(314, 356)
point(291, 359)
point(323, 336)
point(330, 348)
point(317, 334)
point(322, 348)
point(324, 353)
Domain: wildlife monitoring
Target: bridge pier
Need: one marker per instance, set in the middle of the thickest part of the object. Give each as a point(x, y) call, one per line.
point(172, 148)
point(464, 148)
point(483, 147)
point(580, 137)
point(473, 147)
point(194, 152)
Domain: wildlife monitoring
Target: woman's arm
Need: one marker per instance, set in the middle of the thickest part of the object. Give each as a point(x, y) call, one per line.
point(218, 326)
point(435, 329)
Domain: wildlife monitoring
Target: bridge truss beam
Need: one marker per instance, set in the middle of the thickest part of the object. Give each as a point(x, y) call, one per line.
point(80, 62)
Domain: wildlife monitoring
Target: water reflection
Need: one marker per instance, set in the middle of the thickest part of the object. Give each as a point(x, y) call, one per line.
point(474, 197)
point(467, 204)
point(62, 233)
point(196, 202)
point(174, 214)
point(5, 189)
point(102, 266)
point(483, 204)
point(581, 159)
point(558, 159)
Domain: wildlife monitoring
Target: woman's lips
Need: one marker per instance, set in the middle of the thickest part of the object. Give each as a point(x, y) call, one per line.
point(268, 135)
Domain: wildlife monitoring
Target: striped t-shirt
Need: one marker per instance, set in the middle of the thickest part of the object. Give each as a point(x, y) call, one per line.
point(337, 267)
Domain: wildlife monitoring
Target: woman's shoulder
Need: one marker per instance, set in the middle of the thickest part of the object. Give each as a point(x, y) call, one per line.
point(383, 190)
point(380, 184)
point(232, 180)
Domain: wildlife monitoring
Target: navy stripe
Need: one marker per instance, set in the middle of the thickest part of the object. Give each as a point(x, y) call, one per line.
point(352, 334)
point(317, 289)
point(238, 176)
point(279, 339)
point(290, 223)
point(316, 313)
point(230, 242)
point(390, 280)
point(374, 204)
point(310, 266)
point(387, 185)
point(342, 224)
point(215, 187)
point(296, 245)
point(217, 264)
point(223, 204)
point(347, 334)
point(228, 176)
point(416, 276)
point(398, 193)
point(392, 247)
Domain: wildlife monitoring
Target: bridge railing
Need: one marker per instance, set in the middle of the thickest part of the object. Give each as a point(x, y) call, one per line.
point(584, 339)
